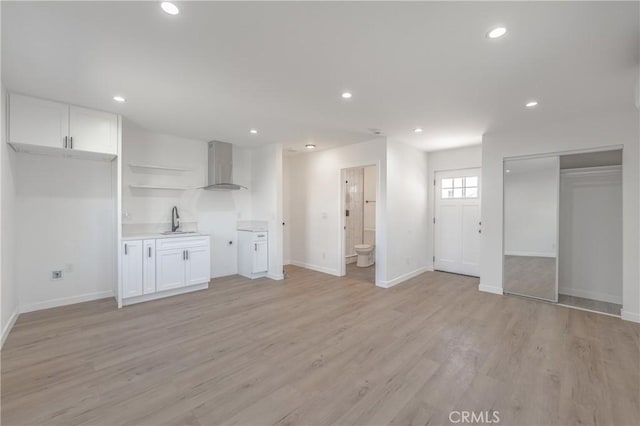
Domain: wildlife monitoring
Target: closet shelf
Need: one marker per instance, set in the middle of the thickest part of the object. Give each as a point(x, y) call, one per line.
point(160, 187)
point(159, 167)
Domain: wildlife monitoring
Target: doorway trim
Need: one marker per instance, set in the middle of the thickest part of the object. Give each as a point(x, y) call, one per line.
point(342, 222)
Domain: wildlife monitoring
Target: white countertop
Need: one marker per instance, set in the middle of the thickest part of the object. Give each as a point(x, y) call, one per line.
point(158, 236)
point(253, 226)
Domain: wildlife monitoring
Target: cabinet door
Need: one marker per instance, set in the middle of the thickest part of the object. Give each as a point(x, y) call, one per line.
point(260, 257)
point(149, 265)
point(132, 269)
point(93, 131)
point(170, 267)
point(37, 122)
point(198, 265)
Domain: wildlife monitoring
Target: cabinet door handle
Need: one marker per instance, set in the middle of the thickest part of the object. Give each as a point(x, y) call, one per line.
point(184, 256)
point(187, 254)
point(65, 142)
point(71, 142)
point(255, 247)
point(149, 251)
point(125, 250)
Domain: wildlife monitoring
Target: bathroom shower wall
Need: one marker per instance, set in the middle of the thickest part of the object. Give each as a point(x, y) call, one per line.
point(354, 202)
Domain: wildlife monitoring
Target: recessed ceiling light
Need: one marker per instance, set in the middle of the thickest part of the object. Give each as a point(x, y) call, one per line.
point(531, 104)
point(508, 171)
point(253, 131)
point(309, 146)
point(119, 99)
point(497, 32)
point(418, 130)
point(346, 95)
point(170, 8)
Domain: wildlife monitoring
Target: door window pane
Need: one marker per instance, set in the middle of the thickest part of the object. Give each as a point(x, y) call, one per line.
point(470, 192)
point(459, 187)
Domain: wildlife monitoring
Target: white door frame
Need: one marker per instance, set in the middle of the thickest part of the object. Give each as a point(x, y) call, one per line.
point(342, 223)
point(435, 195)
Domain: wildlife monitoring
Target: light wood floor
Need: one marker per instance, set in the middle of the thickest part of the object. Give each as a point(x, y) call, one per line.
point(319, 350)
point(367, 274)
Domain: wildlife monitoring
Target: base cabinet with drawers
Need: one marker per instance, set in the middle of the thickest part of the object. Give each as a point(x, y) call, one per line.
point(153, 266)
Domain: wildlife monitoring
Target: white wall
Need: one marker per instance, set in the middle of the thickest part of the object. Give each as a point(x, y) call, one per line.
point(315, 204)
point(589, 133)
point(212, 212)
point(63, 220)
point(266, 201)
point(406, 213)
point(9, 290)
point(450, 159)
point(531, 210)
point(591, 210)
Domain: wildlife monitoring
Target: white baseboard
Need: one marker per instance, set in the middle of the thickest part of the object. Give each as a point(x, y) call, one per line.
point(316, 268)
point(63, 301)
point(588, 294)
point(403, 278)
point(629, 316)
point(351, 259)
point(490, 289)
point(7, 328)
point(163, 294)
point(276, 277)
point(529, 254)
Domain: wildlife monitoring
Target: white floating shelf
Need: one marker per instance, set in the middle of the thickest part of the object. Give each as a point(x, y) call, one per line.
point(159, 167)
point(161, 187)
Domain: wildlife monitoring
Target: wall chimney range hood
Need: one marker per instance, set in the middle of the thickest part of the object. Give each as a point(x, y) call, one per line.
point(221, 167)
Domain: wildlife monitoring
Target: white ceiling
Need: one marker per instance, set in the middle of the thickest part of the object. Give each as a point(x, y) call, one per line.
point(219, 69)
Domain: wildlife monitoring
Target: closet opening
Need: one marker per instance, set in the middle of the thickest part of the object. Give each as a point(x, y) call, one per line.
point(563, 229)
point(590, 252)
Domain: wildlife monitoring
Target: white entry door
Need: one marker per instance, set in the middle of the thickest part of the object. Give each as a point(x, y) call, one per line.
point(457, 221)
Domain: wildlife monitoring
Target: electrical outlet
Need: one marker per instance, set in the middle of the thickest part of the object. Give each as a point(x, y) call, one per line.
point(56, 275)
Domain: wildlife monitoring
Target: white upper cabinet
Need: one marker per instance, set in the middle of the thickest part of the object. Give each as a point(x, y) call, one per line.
point(93, 131)
point(46, 127)
point(38, 122)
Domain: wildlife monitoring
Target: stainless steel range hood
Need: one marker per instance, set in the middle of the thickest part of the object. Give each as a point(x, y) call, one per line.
point(221, 167)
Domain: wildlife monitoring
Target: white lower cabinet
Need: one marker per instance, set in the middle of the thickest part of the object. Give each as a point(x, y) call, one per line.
point(197, 265)
point(154, 266)
point(132, 269)
point(253, 254)
point(149, 267)
point(170, 269)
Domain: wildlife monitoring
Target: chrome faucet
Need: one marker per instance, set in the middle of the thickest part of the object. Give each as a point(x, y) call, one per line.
point(175, 219)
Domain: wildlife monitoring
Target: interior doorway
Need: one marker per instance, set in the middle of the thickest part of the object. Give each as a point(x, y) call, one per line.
point(359, 201)
point(457, 224)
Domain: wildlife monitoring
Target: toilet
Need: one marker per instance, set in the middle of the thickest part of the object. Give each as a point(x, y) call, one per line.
point(365, 255)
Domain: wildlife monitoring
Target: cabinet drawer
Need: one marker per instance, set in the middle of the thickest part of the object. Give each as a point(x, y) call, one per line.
point(259, 236)
point(180, 243)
